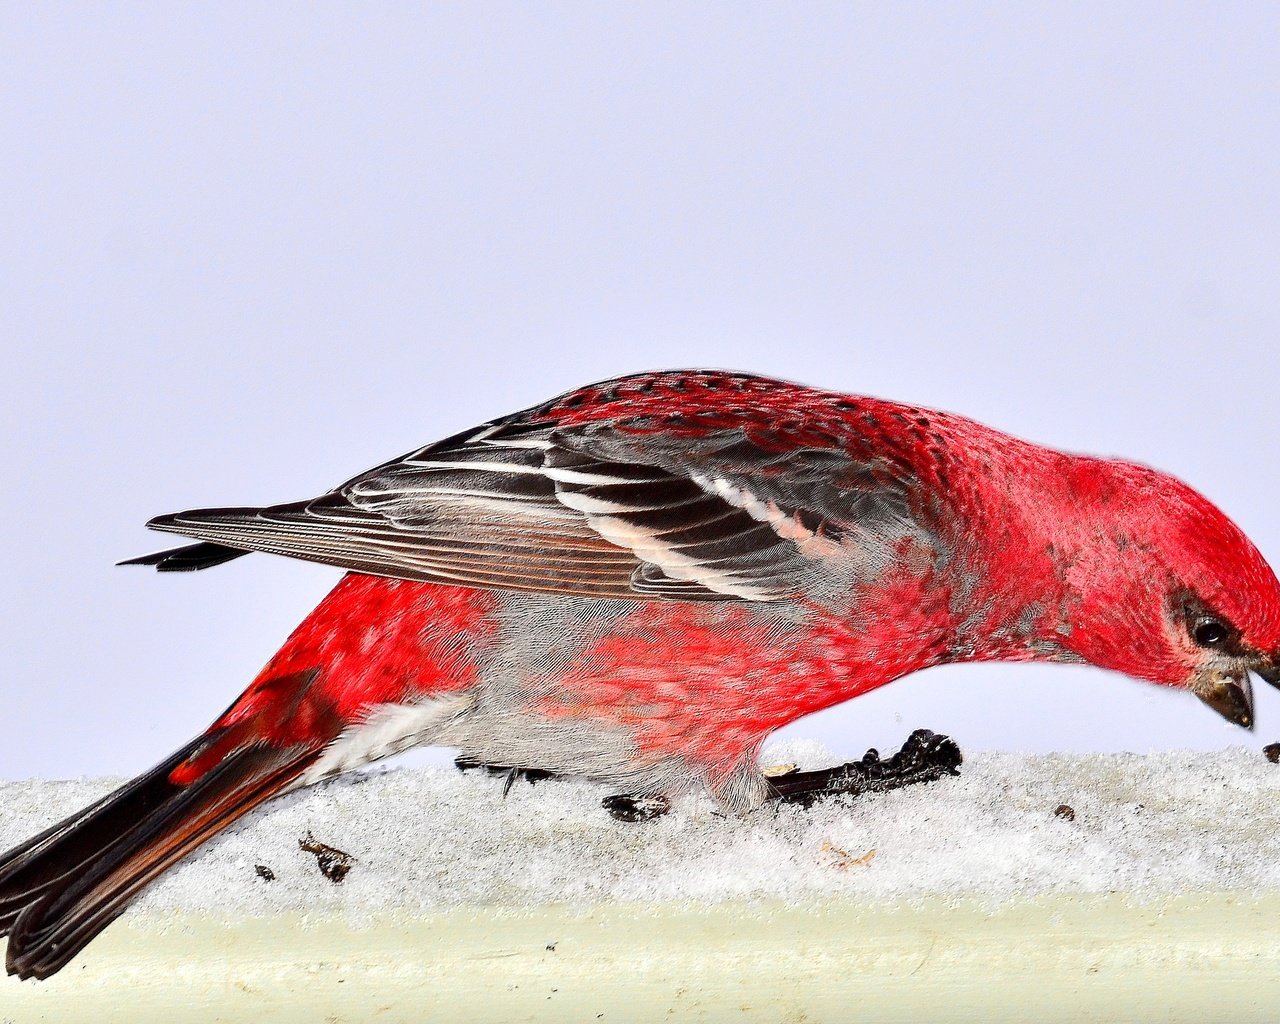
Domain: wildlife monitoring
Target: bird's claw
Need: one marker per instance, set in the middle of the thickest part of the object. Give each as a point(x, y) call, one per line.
point(510, 774)
point(624, 807)
point(929, 752)
point(925, 756)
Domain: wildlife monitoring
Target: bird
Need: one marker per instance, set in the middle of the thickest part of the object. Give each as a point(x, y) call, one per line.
point(639, 580)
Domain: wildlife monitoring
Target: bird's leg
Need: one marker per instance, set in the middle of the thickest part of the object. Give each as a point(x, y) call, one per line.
point(924, 757)
point(530, 775)
point(622, 806)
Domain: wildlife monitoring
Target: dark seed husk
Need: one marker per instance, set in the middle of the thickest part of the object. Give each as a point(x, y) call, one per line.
point(333, 863)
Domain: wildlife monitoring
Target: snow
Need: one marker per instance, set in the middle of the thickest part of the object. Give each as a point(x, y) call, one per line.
point(426, 840)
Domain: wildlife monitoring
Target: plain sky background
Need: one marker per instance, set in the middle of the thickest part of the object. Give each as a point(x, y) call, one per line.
point(250, 250)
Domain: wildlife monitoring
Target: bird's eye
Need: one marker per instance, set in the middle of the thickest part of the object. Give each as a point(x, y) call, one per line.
point(1210, 633)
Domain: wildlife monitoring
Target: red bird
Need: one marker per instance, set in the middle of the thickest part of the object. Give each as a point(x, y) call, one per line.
point(638, 581)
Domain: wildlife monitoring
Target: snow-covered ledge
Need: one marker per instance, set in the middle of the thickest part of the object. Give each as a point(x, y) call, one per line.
point(967, 899)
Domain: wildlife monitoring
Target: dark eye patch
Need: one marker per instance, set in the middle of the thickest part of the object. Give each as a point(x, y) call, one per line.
point(1207, 628)
point(1210, 633)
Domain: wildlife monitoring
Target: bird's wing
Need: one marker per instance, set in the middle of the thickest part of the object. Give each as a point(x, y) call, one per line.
point(608, 507)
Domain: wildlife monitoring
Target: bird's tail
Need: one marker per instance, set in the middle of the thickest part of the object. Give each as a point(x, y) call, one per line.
point(188, 558)
point(61, 888)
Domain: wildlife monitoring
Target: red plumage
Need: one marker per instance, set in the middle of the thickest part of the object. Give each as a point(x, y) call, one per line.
point(640, 580)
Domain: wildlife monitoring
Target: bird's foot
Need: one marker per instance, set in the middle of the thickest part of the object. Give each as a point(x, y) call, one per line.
point(624, 807)
point(924, 757)
point(529, 775)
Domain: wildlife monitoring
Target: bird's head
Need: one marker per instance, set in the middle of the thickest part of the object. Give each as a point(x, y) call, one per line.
point(1163, 586)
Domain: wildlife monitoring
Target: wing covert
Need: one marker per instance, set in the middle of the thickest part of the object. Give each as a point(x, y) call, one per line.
point(612, 508)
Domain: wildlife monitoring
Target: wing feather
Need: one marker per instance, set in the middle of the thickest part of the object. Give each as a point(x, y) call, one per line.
point(607, 508)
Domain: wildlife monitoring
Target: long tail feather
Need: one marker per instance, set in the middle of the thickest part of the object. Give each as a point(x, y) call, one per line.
point(60, 889)
point(27, 871)
point(188, 558)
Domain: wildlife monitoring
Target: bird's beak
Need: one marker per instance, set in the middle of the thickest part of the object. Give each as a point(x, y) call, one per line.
point(1269, 669)
point(1228, 692)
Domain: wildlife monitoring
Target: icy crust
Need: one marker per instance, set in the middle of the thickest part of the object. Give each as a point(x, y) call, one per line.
point(428, 840)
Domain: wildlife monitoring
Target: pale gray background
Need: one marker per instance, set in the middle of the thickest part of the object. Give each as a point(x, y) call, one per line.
point(250, 250)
